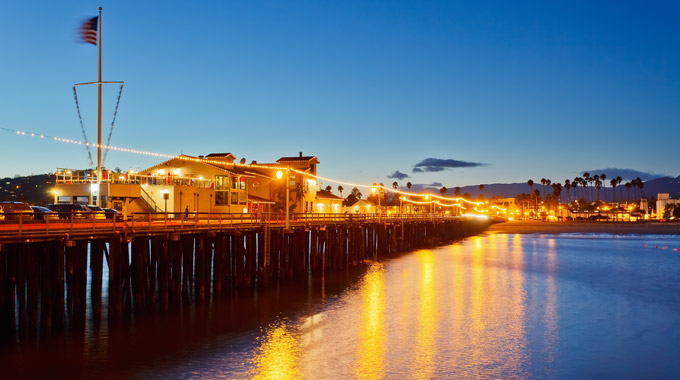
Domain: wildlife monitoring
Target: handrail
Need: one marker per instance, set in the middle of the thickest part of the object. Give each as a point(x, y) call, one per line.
point(151, 222)
point(149, 201)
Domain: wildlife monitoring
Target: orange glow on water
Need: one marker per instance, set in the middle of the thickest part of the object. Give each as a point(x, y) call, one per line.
point(370, 352)
point(424, 361)
point(278, 356)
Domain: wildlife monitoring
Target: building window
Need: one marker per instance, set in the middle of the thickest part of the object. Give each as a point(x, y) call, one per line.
point(221, 182)
point(221, 197)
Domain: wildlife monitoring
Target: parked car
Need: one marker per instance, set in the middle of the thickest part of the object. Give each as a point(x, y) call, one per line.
point(113, 213)
point(99, 212)
point(65, 209)
point(43, 213)
point(16, 210)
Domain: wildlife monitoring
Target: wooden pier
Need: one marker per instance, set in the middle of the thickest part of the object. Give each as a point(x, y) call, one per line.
point(161, 265)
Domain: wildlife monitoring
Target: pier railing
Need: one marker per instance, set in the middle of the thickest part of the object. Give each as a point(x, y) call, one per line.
point(90, 224)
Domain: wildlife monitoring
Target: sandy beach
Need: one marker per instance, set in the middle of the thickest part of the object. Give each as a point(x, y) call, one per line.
point(616, 228)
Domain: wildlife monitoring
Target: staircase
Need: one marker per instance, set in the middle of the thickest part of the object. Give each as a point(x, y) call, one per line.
point(147, 202)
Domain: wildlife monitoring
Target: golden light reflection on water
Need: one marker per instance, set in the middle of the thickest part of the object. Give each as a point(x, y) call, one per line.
point(550, 318)
point(278, 356)
point(424, 365)
point(463, 310)
point(370, 352)
point(496, 340)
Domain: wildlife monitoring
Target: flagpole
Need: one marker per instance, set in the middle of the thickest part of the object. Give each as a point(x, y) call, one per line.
point(99, 115)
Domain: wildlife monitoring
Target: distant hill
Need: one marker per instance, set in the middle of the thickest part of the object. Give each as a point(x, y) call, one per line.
point(34, 189)
point(662, 185)
point(508, 190)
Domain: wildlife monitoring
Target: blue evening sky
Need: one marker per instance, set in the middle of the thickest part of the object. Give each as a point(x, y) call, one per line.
point(531, 89)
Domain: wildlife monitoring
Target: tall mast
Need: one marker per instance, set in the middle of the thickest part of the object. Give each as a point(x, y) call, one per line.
point(99, 115)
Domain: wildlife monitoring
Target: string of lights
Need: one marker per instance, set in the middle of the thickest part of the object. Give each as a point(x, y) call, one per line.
point(253, 166)
point(88, 144)
point(396, 191)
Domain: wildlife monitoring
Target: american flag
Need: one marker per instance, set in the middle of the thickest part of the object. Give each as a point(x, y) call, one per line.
point(89, 30)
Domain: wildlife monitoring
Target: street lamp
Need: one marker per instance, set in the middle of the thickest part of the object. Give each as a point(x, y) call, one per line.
point(376, 190)
point(279, 175)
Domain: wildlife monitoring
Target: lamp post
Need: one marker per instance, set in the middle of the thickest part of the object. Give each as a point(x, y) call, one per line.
point(279, 175)
point(376, 190)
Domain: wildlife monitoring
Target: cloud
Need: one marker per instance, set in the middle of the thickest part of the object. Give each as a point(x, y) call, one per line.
point(625, 174)
point(398, 175)
point(440, 164)
point(435, 184)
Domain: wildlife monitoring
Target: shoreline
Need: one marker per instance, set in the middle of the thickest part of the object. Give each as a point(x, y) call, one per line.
point(614, 228)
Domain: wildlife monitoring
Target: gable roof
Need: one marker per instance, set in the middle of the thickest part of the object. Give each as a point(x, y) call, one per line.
point(322, 194)
point(228, 157)
point(310, 159)
point(220, 155)
point(188, 159)
point(362, 203)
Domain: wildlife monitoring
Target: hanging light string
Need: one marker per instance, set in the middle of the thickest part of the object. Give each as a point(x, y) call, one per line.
point(87, 144)
point(252, 166)
point(393, 190)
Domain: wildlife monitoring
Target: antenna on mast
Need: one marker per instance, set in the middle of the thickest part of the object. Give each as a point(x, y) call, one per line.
point(99, 82)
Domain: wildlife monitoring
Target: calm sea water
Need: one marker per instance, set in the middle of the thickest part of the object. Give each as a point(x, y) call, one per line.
point(493, 306)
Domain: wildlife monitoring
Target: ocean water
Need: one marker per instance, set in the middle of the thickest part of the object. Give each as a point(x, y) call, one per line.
point(493, 306)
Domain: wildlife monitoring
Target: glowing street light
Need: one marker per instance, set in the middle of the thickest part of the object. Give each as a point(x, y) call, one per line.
point(375, 189)
point(279, 175)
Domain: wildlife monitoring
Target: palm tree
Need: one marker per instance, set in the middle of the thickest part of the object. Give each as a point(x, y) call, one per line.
point(618, 183)
point(567, 185)
point(456, 191)
point(543, 181)
point(641, 185)
point(638, 184)
point(613, 182)
point(557, 192)
point(603, 178)
point(584, 184)
point(443, 190)
point(598, 186)
point(537, 194)
point(531, 185)
point(329, 188)
point(628, 186)
point(340, 189)
point(586, 180)
point(408, 184)
point(548, 183)
point(395, 185)
point(481, 189)
point(575, 183)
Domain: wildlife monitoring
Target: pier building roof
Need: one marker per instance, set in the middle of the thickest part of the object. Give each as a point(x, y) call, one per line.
point(323, 194)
